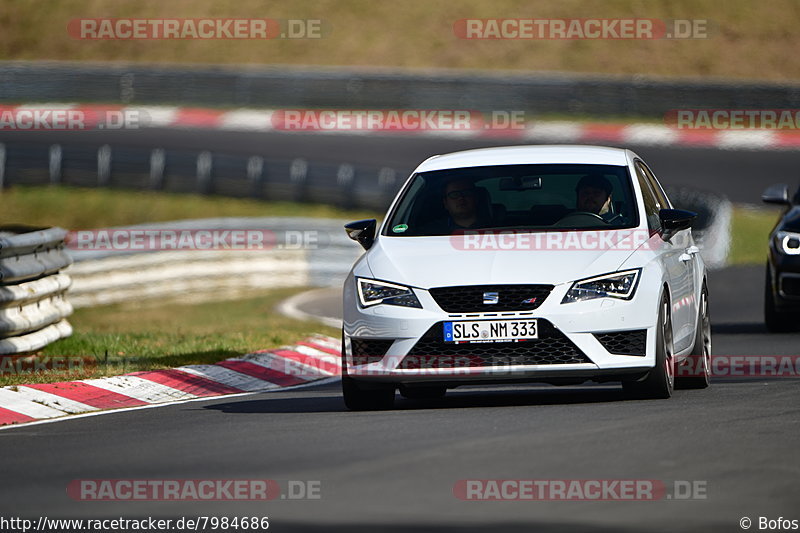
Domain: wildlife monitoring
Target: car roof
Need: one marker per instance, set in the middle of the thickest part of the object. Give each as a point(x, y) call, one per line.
point(521, 155)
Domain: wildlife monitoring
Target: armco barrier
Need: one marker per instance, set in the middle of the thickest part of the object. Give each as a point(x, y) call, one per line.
point(378, 88)
point(33, 306)
point(301, 252)
point(201, 171)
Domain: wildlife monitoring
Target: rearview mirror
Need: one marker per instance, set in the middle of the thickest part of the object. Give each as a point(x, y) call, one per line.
point(362, 231)
point(521, 183)
point(776, 194)
point(675, 220)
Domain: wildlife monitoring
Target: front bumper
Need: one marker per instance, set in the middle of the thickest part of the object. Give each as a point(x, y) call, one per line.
point(408, 348)
point(785, 270)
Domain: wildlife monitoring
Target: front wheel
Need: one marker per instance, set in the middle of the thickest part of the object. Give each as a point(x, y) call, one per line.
point(696, 372)
point(364, 396)
point(660, 381)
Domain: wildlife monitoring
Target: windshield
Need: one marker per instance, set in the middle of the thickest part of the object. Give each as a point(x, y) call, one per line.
point(515, 197)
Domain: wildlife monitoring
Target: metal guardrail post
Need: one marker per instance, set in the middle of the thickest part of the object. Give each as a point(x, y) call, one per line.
point(345, 180)
point(157, 160)
point(2, 166)
point(298, 174)
point(204, 167)
point(387, 177)
point(255, 174)
point(103, 165)
point(126, 90)
point(55, 164)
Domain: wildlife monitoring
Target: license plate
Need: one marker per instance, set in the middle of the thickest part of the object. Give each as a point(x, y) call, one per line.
point(490, 330)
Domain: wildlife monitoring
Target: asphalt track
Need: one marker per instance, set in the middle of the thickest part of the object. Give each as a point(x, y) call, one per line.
point(396, 470)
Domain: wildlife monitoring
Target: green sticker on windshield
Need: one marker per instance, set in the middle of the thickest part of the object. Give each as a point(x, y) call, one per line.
point(400, 228)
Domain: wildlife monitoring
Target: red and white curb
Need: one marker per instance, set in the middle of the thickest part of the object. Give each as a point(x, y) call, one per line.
point(311, 360)
point(545, 131)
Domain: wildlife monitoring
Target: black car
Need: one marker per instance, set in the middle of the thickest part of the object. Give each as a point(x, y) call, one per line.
point(782, 287)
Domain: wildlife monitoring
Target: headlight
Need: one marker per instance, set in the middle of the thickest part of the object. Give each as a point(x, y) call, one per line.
point(788, 242)
point(620, 285)
point(372, 292)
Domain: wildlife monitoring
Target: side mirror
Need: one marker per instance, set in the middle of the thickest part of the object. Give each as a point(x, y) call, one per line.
point(675, 220)
point(776, 194)
point(362, 231)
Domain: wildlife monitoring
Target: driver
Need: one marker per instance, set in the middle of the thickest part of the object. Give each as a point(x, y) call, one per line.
point(593, 195)
point(460, 201)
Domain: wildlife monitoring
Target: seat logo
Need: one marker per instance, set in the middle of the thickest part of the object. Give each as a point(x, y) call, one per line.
point(491, 298)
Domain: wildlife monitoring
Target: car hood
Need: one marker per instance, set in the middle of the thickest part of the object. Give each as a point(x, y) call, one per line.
point(442, 261)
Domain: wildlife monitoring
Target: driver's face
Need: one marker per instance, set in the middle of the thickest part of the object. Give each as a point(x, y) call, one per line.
point(593, 200)
point(459, 198)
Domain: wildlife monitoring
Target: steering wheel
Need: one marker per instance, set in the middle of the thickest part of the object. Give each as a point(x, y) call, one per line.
point(579, 218)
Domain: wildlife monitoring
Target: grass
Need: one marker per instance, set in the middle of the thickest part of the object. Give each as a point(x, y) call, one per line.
point(84, 208)
point(754, 40)
point(750, 230)
point(168, 335)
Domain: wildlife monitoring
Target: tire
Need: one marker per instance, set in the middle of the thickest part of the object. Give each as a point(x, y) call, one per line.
point(364, 398)
point(697, 369)
point(423, 393)
point(660, 381)
point(357, 398)
point(776, 321)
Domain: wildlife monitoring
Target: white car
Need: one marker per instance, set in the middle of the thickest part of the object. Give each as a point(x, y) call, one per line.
point(555, 264)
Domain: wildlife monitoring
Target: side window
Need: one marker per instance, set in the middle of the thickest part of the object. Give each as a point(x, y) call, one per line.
point(661, 196)
point(651, 205)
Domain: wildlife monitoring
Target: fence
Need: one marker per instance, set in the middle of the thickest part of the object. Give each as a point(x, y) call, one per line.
point(347, 185)
point(376, 88)
point(33, 307)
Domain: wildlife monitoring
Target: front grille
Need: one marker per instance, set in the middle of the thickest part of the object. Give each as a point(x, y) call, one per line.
point(469, 298)
point(367, 351)
point(631, 342)
point(790, 286)
point(551, 348)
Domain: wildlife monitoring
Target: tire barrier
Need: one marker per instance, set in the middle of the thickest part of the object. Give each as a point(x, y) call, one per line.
point(33, 304)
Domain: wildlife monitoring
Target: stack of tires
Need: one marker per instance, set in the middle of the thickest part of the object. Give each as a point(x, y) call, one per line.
point(33, 304)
